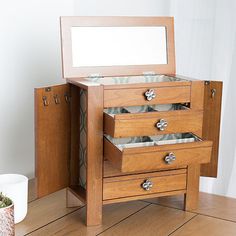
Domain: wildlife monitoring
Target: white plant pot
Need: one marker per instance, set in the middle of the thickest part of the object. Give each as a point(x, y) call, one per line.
point(15, 187)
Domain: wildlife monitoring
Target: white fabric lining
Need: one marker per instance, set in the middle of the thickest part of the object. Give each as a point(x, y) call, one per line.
point(146, 141)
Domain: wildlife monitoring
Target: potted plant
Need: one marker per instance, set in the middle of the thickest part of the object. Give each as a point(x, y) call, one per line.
point(7, 226)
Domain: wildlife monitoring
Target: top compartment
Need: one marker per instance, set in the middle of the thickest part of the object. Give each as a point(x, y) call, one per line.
point(139, 80)
point(99, 45)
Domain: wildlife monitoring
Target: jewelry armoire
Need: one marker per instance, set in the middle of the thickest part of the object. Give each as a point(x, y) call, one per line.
point(123, 126)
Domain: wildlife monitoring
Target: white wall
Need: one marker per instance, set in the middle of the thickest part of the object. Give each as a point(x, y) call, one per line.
point(223, 68)
point(122, 7)
point(29, 57)
point(205, 32)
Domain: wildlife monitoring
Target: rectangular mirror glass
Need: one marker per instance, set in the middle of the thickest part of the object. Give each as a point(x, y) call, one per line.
point(117, 46)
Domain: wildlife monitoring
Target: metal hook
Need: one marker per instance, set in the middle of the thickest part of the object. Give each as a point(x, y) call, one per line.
point(45, 102)
point(213, 93)
point(67, 98)
point(56, 99)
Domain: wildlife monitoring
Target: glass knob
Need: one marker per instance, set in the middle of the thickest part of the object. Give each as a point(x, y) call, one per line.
point(162, 124)
point(150, 94)
point(170, 158)
point(147, 185)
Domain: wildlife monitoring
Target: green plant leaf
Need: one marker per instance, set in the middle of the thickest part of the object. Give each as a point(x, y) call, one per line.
point(4, 201)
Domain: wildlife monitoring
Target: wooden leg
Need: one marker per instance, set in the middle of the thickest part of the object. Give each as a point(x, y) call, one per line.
point(94, 155)
point(192, 194)
point(72, 200)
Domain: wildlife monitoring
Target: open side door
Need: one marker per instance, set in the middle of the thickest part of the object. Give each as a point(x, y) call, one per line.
point(52, 138)
point(211, 124)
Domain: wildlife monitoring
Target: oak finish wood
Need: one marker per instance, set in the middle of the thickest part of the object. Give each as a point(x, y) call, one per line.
point(144, 197)
point(78, 191)
point(110, 171)
point(132, 85)
point(118, 188)
point(94, 155)
point(211, 125)
point(144, 175)
point(72, 199)
point(52, 139)
point(136, 97)
point(151, 158)
point(141, 124)
point(192, 194)
point(74, 72)
point(197, 95)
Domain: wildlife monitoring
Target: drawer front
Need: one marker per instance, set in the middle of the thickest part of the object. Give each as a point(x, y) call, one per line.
point(153, 123)
point(136, 97)
point(157, 157)
point(138, 185)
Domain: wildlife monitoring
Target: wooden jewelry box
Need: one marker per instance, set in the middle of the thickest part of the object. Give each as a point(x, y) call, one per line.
point(125, 126)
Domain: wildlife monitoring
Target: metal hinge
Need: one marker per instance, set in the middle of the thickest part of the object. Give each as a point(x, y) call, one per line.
point(213, 90)
point(95, 76)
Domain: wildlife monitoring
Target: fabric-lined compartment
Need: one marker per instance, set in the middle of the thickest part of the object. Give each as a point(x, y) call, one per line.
point(131, 142)
point(157, 140)
point(146, 108)
point(155, 78)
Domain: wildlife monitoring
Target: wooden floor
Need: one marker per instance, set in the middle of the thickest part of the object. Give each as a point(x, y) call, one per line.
point(215, 216)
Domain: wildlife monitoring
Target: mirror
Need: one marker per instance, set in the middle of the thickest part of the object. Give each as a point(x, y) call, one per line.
point(116, 46)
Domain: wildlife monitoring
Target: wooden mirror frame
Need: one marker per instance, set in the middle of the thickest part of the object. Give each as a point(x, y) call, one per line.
point(79, 72)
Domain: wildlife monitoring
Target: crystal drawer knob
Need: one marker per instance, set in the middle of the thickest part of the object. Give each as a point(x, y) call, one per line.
point(162, 124)
point(170, 158)
point(147, 185)
point(150, 94)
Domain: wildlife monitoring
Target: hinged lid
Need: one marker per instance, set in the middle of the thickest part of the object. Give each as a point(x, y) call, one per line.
point(116, 46)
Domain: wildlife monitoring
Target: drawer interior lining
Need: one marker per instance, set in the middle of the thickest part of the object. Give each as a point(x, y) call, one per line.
point(144, 141)
point(155, 78)
point(145, 108)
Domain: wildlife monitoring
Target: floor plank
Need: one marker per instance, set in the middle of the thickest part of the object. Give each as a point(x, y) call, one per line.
point(44, 211)
point(152, 220)
point(49, 216)
point(209, 204)
point(203, 225)
point(32, 190)
point(74, 224)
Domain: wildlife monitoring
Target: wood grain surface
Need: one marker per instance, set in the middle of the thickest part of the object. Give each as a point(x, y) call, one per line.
point(141, 124)
point(118, 188)
point(136, 97)
point(211, 124)
point(151, 158)
point(52, 139)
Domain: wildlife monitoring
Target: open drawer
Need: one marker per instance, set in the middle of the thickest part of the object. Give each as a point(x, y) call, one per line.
point(151, 120)
point(156, 152)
